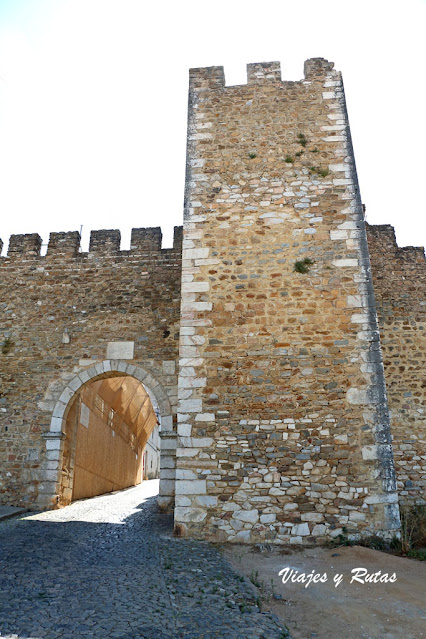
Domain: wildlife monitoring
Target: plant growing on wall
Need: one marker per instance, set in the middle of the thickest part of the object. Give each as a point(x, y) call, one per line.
point(323, 172)
point(302, 139)
point(302, 266)
point(6, 346)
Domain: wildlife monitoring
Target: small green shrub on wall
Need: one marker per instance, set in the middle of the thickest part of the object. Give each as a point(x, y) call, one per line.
point(302, 266)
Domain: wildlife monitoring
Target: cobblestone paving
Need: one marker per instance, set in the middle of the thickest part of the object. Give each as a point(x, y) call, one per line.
point(109, 567)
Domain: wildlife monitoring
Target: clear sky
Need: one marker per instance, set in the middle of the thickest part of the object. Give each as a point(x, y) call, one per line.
point(93, 98)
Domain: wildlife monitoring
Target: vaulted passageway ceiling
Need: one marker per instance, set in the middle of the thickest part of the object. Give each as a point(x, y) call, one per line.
point(131, 403)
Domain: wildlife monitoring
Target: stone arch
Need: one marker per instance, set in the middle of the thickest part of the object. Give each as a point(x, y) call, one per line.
point(50, 486)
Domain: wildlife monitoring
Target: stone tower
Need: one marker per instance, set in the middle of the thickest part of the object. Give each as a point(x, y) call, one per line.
point(283, 426)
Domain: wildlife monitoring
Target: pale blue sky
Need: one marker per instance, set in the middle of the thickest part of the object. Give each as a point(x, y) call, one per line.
point(93, 97)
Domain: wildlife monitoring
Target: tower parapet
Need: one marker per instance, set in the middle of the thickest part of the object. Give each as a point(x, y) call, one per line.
point(317, 67)
point(207, 78)
point(211, 78)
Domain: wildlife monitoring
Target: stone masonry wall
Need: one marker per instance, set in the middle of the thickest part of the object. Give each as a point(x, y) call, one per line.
point(258, 335)
point(63, 320)
point(283, 430)
point(399, 276)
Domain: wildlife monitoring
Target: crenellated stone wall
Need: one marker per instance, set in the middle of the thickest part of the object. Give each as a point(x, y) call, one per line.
point(283, 429)
point(399, 276)
point(68, 318)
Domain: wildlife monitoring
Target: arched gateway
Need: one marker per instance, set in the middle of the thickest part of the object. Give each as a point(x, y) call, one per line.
point(58, 471)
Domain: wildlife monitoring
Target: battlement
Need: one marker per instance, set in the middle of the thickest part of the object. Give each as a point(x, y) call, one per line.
point(317, 67)
point(105, 241)
point(207, 78)
point(64, 243)
point(384, 240)
point(102, 242)
point(30, 244)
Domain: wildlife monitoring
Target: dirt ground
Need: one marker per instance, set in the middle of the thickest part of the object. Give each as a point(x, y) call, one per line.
point(350, 610)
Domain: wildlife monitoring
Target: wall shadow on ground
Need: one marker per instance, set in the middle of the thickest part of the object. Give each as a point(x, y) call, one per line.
point(84, 579)
point(126, 580)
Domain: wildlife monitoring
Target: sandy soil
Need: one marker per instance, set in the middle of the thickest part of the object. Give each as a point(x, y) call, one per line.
point(350, 610)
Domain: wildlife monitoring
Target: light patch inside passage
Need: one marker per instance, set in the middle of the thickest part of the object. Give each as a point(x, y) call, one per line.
point(84, 415)
point(105, 509)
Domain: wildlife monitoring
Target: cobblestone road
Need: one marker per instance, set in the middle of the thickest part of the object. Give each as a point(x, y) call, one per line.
point(109, 567)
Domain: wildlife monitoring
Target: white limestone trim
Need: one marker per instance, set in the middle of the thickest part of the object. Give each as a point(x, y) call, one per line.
point(107, 368)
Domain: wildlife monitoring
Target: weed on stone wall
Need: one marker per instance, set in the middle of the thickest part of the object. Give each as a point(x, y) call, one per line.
point(6, 346)
point(302, 266)
point(323, 172)
point(302, 139)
